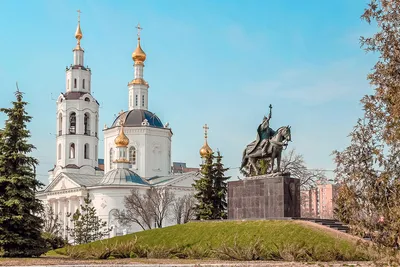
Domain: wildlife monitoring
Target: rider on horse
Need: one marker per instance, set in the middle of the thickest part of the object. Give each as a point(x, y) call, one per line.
point(264, 133)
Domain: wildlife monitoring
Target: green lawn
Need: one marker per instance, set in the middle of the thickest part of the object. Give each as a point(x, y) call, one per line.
point(280, 236)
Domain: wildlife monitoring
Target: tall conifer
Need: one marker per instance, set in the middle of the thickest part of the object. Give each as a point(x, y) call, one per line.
point(20, 227)
point(219, 189)
point(204, 188)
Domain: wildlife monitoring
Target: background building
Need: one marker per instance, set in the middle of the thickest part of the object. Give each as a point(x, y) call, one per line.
point(318, 202)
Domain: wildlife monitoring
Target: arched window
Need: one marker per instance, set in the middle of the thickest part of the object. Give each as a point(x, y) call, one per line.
point(86, 122)
point(87, 99)
point(60, 124)
point(83, 83)
point(132, 155)
point(136, 100)
point(59, 151)
point(74, 83)
point(142, 100)
point(95, 153)
point(72, 151)
point(72, 123)
point(86, 151)
point(111, 157)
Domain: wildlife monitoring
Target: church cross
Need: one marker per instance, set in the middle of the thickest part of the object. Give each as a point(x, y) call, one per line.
point(79, 15)
point(138, 29)
point(205, 127)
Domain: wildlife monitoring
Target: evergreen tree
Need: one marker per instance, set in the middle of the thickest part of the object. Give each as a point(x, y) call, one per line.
point(87, 227)
point(204, 187)
point(219, 189)
point(20, 227)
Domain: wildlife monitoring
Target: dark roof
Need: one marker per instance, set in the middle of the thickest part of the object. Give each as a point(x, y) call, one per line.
point(73, 95)
point(76, 95)
point(78, 67)
point(135, 117)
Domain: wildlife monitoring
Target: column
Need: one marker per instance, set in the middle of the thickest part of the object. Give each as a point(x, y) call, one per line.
point(65, 204)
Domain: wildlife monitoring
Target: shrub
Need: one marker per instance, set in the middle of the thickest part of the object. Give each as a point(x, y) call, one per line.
point(53, 241)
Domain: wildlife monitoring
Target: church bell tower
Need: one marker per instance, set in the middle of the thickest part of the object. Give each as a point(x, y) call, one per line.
point(77, 118)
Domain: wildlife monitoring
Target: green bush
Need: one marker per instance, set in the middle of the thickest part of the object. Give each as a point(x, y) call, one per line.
point(53, 241)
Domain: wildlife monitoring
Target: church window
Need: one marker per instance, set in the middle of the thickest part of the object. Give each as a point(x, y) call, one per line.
point(111, 157)
point(86, 151)
point(142, 100)
point(86, 122)
point(136, 103)
point(95, 153)
point(87, 99)
point(59, 151)
point(132, 155)
point(72, 123)
point(74, 83)
point(68, 84)
point(96, 126)
point(72, 151)
point(83, 83)
point(60, 124)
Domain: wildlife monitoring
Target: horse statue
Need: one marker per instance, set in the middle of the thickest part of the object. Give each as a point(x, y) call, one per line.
point(269, 148)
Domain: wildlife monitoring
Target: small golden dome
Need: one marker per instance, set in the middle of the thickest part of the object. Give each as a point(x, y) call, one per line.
point(78, 32)
point(121, 140)
point(139, 56)
point(205, 150)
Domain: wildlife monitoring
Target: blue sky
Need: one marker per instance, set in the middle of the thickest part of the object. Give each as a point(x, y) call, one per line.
point(215, 62)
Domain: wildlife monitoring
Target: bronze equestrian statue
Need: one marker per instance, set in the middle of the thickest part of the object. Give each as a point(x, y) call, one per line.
point(269, 144)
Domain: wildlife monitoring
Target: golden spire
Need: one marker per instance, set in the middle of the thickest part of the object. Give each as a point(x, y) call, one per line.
point(139, 56)
point(78, 32)
point(121, 140)
point(205, 149)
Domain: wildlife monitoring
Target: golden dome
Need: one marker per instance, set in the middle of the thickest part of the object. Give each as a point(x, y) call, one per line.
point(205, 150)
point(121, 140)
point(139, 56)
point(78, 32)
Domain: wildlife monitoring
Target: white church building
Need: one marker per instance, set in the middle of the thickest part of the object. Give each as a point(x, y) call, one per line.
point(137, 148)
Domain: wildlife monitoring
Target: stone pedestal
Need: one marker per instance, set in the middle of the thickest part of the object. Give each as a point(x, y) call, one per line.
point(262, 197)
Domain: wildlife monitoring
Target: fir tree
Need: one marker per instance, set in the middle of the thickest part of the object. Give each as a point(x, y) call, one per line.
point(87, 227)
point(20, 227)
point(219, 189)
point(204, 187)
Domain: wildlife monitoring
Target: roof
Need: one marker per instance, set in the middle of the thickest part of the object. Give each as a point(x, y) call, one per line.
point(136, 117)
point(122, 176)
point(164, 180)
point(84, 179)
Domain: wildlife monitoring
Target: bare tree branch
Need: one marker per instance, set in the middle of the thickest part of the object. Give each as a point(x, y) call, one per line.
point(295, 164)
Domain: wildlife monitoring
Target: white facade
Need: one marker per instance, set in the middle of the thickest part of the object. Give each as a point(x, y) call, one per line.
point(149, 150)
point(150, 140)
point(77, 120)
point(76, 173)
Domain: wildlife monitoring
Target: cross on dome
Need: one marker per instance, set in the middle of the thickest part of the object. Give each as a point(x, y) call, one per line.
point(205, 127)
point(138, 30)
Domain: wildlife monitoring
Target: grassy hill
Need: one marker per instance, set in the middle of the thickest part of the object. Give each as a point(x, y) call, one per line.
point(240, 240)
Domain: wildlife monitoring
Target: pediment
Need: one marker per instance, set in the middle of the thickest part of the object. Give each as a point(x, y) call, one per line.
point(62, 182)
